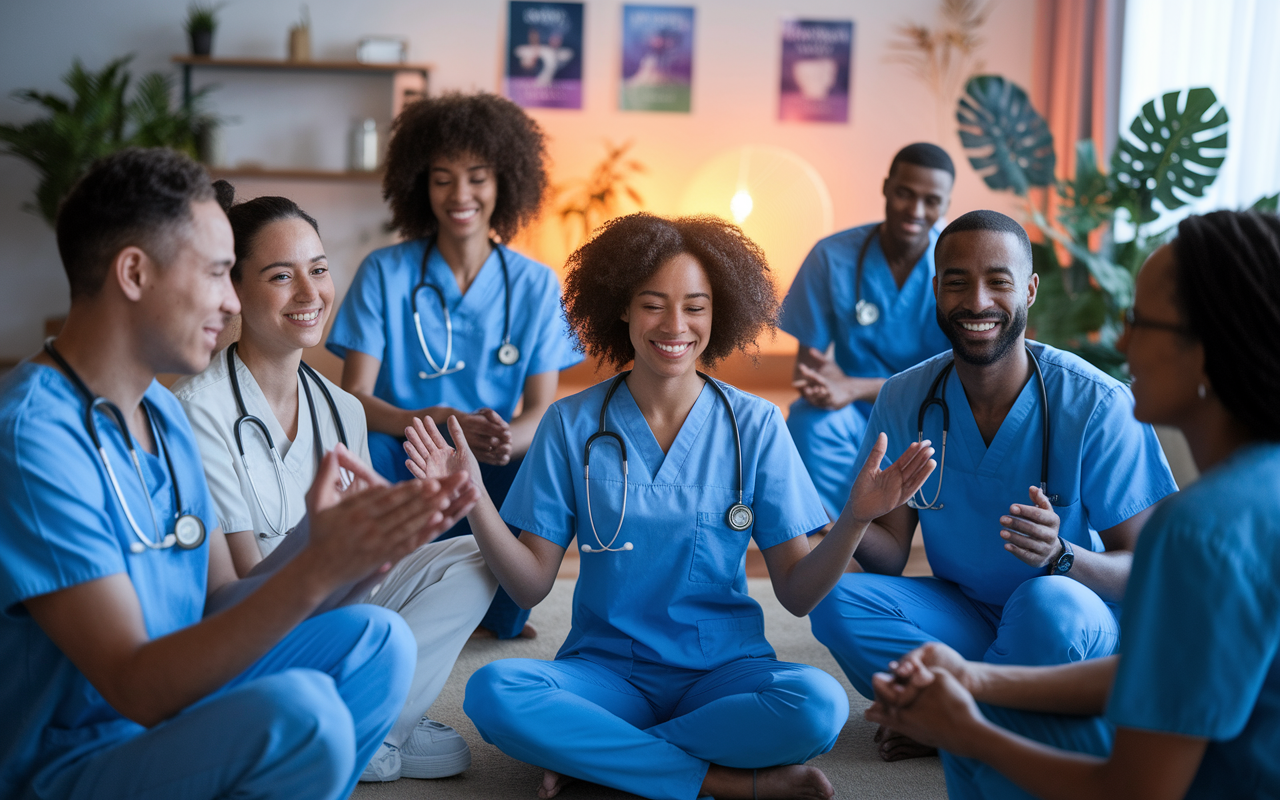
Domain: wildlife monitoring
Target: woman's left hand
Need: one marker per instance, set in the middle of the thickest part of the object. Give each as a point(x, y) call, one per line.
point(931, 707)
point(430, 456)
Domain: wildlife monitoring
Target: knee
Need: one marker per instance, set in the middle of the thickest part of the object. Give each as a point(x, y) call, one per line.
point(381, 639)
point(850, 608)
point(815, 708)
point(492, 694)
point(1053, 620)
point(302, 723)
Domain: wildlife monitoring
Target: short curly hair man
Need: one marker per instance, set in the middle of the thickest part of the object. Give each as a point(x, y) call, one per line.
point(454, 124)
point(605, 273)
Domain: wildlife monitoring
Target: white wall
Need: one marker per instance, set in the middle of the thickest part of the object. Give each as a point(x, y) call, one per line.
point(303, 120)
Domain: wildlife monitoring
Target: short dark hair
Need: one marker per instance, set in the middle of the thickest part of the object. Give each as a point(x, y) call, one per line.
point(986, 220)
point(454, 124)
point(1228, 275)
point(249, 217)
point(136, 196)
point(605, 273)
point(923, 154)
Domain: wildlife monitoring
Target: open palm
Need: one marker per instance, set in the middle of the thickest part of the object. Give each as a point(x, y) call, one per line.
point(877, 491)
point(430, 456)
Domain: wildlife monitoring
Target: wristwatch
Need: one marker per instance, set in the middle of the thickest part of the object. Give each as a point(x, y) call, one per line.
point(1063, 565)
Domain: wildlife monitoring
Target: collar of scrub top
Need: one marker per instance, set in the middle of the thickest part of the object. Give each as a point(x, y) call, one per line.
point(864, 311)
point(739, 516)
point(940, 400)
point(188, 529)
point(304, 372)
point(508, 353)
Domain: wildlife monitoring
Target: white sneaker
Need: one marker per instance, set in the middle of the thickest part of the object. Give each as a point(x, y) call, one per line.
point(433, 750)
point(384, 766)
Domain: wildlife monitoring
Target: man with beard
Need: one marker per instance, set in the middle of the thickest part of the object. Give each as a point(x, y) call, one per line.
point(1021, 575)
point(862, 310)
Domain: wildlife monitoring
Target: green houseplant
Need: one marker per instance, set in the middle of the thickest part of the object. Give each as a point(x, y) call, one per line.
point(100, 117)
point(202, 21)
point(1086, 261)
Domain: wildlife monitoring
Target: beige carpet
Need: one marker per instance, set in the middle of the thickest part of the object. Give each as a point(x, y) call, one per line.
point(853, 767)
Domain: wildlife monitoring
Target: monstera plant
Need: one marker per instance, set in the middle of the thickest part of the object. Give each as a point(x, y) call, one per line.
point(99, 118)
point(1169, 155)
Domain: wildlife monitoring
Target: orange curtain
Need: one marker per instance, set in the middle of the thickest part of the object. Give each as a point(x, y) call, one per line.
point(1076, 78)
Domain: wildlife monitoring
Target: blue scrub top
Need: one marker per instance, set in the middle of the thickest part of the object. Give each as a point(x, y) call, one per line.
point(819, 307)
point(1201, 626)
point(679, 598)
point(1105, 465)
point(63, 526)
point(376, 318)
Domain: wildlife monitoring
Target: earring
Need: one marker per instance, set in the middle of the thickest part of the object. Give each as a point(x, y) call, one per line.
point(1203, 391)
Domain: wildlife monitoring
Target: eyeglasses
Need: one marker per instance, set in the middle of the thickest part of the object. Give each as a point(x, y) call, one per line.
point(1132, 320)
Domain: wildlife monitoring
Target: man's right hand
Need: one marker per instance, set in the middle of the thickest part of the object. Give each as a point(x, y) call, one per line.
point(876, 492)
point(371, 525)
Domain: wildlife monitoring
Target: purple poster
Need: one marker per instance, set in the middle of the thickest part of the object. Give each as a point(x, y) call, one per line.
point(657, 58)
point(544, 54)
point(817, 58)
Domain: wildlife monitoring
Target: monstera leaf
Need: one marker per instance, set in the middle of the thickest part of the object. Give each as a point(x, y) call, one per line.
point(1086, 198)
point(1174, 150)
point(1014, 148)
point(1267, 205)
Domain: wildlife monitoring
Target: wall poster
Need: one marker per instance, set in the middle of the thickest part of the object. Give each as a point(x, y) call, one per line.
point(817, 66)
point(544, 54)
point(657, 58)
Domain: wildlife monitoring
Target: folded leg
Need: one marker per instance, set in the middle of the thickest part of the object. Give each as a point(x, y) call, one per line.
point(1054, 619)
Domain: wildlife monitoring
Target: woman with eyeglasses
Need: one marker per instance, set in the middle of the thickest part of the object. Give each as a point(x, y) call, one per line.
point(1191, 705)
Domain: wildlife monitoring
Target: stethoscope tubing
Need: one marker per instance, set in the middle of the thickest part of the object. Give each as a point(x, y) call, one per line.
point(440, 370)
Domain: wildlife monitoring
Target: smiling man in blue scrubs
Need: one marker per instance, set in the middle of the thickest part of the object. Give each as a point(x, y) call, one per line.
point(112, 683)
point(856, 331)
point(1023, 574)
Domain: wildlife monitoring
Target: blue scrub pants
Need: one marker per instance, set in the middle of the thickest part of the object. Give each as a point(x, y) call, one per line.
point(301, 722)
point(869, 620)
point(828, 442)
point(655, 733)
point(504, 617)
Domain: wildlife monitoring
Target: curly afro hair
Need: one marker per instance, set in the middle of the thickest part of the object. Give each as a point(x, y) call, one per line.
point(453, 124)
point(605, 273)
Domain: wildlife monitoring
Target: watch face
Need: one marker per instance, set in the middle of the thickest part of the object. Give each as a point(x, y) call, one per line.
point(1064, 563)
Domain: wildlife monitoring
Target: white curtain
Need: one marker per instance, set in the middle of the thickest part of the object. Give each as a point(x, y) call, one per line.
point(1231, 46)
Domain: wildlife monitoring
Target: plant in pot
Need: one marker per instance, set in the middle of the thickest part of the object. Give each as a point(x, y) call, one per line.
point(100, 117)
point(1089, 255)
point(202, 21)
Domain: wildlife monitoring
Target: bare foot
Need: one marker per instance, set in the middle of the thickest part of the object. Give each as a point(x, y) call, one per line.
point(552, 783)
point(527, 632)
point(793, 782)
point(896, 747)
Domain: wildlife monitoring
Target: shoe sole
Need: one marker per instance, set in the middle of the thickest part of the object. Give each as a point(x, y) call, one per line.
point(434, 766)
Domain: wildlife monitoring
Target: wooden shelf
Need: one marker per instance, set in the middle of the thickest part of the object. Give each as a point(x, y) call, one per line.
point(251, 173)
point(298, 66)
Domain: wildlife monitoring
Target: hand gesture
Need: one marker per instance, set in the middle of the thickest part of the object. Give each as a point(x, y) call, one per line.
point(934, 655)
point(488, 434)
point(876, 492)
point(1031, 532)
point(932, 708)
point(430, 456)
point(819, 386)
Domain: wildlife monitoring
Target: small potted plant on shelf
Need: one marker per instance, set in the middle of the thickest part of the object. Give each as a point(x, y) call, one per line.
point(202, 21)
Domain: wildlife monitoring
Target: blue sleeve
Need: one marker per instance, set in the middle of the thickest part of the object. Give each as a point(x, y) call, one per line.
point(542, 499)
point(555, 349)
point(807, 313)
point(53, 511)
point(1117, 444)
point(785, 502)
point(359, 323)
point(1198, 631)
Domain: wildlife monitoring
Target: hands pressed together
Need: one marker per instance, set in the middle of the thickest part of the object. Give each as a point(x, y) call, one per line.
point(928, 696)
point(827, 386)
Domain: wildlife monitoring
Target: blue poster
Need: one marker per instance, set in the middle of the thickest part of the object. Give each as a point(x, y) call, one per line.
point(544, 54)
point(817, 60)
point(657, 58)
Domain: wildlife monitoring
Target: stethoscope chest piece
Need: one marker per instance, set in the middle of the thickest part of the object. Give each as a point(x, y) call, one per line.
point(508, 354)
point(739, 517)
point(866, 312)
point(189, 531)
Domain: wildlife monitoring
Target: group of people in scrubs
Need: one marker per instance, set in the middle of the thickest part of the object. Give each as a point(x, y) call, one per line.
point(259, 583)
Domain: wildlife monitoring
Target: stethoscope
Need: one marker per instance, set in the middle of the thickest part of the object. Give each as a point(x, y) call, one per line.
point(739, 516)
point(304, 372)
point(188, 529)
point(508, 353)
point(864, 311)
point(941, 402)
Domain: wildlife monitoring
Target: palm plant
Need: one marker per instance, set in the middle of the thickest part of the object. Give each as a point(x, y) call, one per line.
point(1086, 262)
point(594, 199)
point(98, 119)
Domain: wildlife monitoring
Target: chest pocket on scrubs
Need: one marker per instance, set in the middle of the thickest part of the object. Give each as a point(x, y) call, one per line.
point(718, 550)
